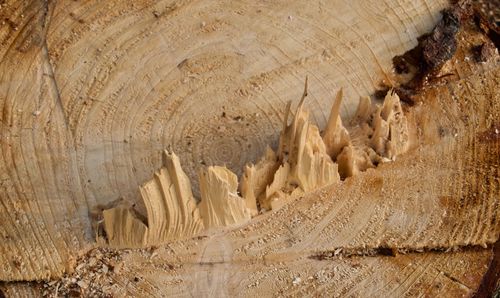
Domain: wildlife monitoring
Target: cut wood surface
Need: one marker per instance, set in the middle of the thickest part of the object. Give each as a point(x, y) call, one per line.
point(304, 163)
point(311, 244)
point(93, 92)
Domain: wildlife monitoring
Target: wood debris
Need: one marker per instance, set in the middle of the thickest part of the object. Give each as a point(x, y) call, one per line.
point(171, 210)
point(220, 204)
point(305, 161)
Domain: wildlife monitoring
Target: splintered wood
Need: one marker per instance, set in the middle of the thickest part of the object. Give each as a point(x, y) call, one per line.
point(220, 203)
point(171, 210)
point(305, 161)
point(92, 92)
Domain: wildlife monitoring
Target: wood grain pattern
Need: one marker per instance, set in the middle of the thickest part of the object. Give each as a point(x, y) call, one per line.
point(92, 92)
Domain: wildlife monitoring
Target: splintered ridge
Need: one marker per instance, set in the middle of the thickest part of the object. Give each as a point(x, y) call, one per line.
point(304, 162)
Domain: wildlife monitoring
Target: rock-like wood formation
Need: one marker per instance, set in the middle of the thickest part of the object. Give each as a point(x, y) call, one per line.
point(257, 180)
point(92, 93)
point(220, 203)
point(304, 163)
point(171, 211)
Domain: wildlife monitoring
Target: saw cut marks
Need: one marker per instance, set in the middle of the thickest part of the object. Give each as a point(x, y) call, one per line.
point(305, 161)
point(387, 208)
point(92, 92)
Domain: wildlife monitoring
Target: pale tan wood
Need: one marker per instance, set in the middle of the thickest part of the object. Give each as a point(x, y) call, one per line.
point(305, 164)
point(93, 92)
point(274, 253)
point(284, 251)
point(171, 211)
point(124, 229)
point(335, 137)
point(273, 192)
point(257, 178)
point(220, 203)
point(390, 132)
